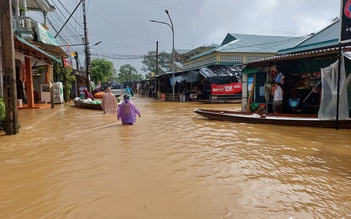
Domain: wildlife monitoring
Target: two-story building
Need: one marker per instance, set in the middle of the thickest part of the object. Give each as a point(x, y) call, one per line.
point(35, 50)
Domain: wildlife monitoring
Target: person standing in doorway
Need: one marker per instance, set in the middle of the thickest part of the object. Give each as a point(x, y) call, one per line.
point(277, 93)
point(181, 91)
point(109, 102)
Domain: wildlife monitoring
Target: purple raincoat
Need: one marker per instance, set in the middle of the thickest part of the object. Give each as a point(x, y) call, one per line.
point(127, 111)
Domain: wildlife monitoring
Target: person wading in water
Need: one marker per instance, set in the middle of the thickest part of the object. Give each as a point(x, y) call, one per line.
point(127, 111)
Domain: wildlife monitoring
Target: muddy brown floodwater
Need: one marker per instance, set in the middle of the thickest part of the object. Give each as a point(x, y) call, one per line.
point(70, 162)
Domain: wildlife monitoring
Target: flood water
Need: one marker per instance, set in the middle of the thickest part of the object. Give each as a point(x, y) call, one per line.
point(70, 162)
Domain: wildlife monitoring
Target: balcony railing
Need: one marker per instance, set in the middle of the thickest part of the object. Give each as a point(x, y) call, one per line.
point(24, 26)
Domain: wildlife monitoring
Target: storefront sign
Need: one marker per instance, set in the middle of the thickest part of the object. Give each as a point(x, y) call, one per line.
point(44, 36)
point(345, 16)
point(67, 64)
point(226, 89)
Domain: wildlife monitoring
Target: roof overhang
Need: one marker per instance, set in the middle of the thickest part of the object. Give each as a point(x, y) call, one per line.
point(51, 49)
point(300, 55)
point(28, 49)
point(39, 5)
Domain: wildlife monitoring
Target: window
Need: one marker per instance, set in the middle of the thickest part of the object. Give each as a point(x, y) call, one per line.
point(254, 58)
point(231, 58)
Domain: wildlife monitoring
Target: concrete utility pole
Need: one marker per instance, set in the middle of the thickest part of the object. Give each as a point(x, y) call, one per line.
point(173, 50)
point(156, 73)
point(87, 52)
point(77, 73)
point(8, 64)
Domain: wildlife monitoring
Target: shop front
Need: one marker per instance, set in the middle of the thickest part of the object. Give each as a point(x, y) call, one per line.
point(299, 78)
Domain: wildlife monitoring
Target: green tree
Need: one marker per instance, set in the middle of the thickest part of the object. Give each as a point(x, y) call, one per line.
point(128, 73)
point(149, 62)
point(101, 70)
point(2, 110)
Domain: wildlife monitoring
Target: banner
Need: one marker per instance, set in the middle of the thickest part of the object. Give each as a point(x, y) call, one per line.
point(44, 36)
point(345, 18)
point(67, 64)
point(226, 89)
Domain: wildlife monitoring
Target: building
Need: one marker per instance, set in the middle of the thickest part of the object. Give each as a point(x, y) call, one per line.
point(204, 66)
point(36, 50)
point(301, 66)
point(237, 49)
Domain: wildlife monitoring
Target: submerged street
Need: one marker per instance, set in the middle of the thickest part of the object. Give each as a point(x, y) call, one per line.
point(70, 162)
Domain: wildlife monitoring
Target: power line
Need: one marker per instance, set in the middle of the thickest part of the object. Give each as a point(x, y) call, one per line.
point(210, 18)
point(118, 27)
point(69, 13)
point(118, 56)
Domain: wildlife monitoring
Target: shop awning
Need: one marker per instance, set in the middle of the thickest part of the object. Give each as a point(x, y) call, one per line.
point(29, 49)
point(293, 56)
point(51, 49)
point(250, 70)
point(192, 76)
point(221, 74)
point(188, 77)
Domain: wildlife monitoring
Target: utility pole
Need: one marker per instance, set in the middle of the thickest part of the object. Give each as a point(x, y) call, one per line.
point(156, 73)
point(8, 65)
point(77, 73)
point(172, 28)
point(87, 52)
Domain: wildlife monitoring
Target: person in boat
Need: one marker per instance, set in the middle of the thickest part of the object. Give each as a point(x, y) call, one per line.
point(109, 102)
point(277, 93)
point(127, 111)
point(88, 94)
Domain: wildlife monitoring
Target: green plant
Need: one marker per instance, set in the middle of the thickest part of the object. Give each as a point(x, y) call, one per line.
point(22, 9)
point(2, 109)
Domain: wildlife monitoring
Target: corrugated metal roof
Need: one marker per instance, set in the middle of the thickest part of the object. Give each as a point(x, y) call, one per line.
point(39, 5)
point(300, 55)
point(182, 51)
point(248, 43)
point(314, 46)
point(327, 37)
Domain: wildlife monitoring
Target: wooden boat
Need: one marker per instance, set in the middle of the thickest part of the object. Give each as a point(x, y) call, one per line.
point(88, 105)
point(220, 101)
point(273, 119)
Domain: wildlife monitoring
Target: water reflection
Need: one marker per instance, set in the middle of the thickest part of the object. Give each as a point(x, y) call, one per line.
point(76, 163)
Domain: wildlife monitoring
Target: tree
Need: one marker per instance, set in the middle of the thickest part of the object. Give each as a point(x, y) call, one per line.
point(164, 60)
point(101, 70)
point(128, 73)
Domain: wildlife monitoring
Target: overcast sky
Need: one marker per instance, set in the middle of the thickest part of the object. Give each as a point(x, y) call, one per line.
point(124, 26)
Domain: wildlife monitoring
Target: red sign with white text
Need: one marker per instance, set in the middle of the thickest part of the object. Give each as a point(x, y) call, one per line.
point(226, 89)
